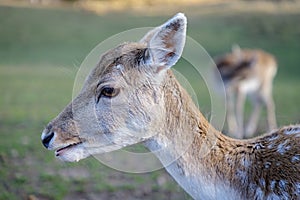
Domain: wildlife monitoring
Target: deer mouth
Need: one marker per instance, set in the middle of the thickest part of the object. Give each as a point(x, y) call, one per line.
point(59, 151)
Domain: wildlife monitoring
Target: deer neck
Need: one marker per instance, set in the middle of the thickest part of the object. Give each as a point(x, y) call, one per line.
point(183, 127)
point(186, 143)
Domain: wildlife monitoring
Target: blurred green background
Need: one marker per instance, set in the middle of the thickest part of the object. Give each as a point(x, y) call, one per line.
point(42, 46)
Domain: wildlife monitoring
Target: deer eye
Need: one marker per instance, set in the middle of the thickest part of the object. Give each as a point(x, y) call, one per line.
point(108, 92)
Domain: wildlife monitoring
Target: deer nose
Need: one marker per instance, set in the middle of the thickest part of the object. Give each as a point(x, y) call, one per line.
point(47, 137)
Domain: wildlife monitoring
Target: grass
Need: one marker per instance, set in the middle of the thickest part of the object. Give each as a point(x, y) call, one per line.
point(40, 51)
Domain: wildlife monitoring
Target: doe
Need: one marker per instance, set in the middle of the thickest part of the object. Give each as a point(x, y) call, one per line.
point(131, 96)
point(247, 72)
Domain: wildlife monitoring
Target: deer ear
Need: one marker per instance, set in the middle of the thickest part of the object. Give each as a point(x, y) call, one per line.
point(165, 43)
point(237, 52)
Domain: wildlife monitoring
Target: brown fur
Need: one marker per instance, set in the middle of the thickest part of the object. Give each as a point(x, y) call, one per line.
point(226, 156)
point(241, 69)
point(207, 164)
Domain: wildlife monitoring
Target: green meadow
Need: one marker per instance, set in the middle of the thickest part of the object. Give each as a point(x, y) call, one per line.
point(40, 53)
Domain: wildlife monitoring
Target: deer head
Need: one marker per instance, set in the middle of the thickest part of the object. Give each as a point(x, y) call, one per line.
point(122, 100)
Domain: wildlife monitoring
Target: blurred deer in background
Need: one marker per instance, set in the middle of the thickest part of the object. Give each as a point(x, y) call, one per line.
point(247, 73)
point(132, 96)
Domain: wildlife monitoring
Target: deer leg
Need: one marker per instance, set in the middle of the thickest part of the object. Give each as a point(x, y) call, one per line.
point(271, 113)
point(240, 104)
point(269, 102)
point(230, 114)
point(253, 121)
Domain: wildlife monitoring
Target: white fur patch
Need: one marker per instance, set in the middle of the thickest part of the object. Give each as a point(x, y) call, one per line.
point(272, 185)
point(297, 188)
point(119, 67)
point(270, 146)
point(295, 158)
point(249, 86)
point(273, 196)
point(262, 182)
point(292, 130)
point(283, 147)
point(267, 165)
point(245, 162)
